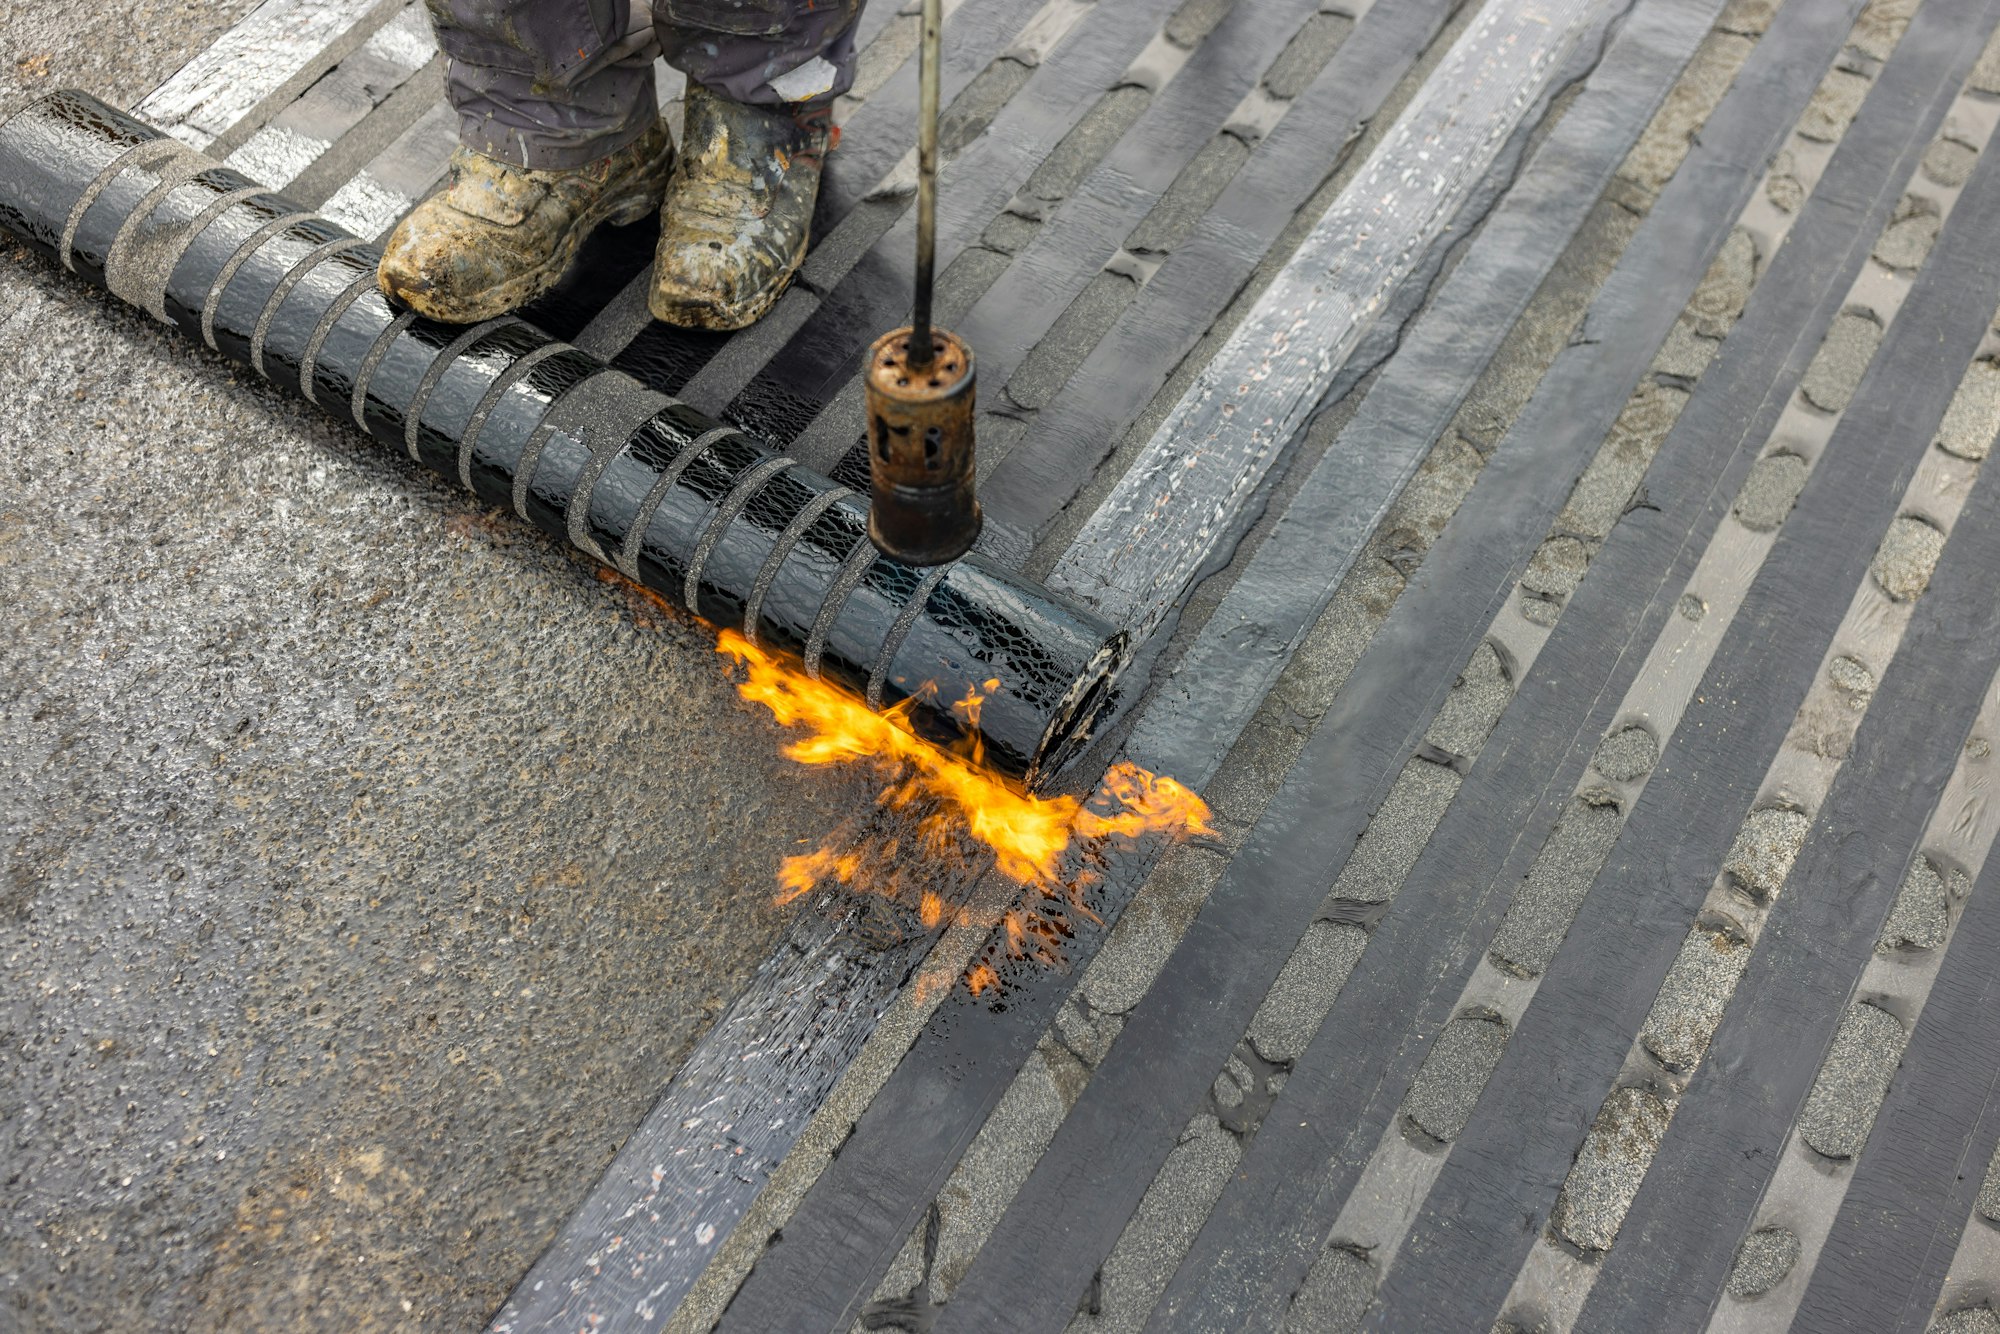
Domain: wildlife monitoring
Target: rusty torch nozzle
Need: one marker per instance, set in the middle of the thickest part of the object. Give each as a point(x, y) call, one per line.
point(923, 511)
point(920, 388)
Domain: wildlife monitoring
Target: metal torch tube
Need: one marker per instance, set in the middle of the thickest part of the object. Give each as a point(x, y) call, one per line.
point(921, 348)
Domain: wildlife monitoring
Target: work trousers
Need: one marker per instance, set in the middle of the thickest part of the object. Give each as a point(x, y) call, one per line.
point(556, 84)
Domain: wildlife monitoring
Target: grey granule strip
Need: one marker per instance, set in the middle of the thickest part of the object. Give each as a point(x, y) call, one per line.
point(1949, 162)
point(1473, 706)
point(1398, 833)
point(1838, 365)
point(1691, 1000)
point(1989, 1192)
point(1549, 897)
point(1305, 989)
point(1853, 1082)
point(1972, 1320)
point(1769, 491)
point(1610, 1167)
point(1909, 554)
point(1921, 915)
point(1768, 1254)
point(1973, 418)
point(1443, 1094)
point(1628, 753)
point(1335, 1294)
point(1764, 850)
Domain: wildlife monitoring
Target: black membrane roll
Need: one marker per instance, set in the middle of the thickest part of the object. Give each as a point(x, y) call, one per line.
point(706, 515)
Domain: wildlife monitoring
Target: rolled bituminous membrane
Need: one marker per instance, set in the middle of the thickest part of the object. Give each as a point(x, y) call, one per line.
point(705, 515)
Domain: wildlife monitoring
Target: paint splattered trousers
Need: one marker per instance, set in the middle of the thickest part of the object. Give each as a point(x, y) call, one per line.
point(555, 84)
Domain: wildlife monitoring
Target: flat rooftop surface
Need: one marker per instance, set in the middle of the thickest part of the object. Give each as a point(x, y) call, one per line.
point(1539, 447)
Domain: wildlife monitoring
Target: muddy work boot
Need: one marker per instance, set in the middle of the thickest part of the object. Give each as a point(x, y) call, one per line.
point(733, 229)
point(498, 236)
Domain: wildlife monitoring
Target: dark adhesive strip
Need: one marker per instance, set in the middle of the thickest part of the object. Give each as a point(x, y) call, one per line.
point(236, 313)
point(593, 422)
point(1563, 708)
point(446, 416)
point(748, 548)
point(46, 203)
point(725, 514)
point(1072, 436)
point(667, 542)
point(669, 473)
point(900, 631)
point(552, 392)
point(857, 564)
point(391, 336)
point(612, 514)
point(1467, 1245)
point(780, 550)
point(470, 440)
point(876, 294)
point(1914, 1189)
point(1086, 230)
point(210, 248)
point(251, 244)
point(1377, 723)
point(445, 359)
point(1295, 571)
point(292, 278)
point(361, 283)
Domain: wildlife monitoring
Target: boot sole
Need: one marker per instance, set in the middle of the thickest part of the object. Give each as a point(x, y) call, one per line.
point(518, 291)
point(725, 319)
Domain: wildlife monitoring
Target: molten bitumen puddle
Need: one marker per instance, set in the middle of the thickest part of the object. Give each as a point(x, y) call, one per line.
point(946, 816)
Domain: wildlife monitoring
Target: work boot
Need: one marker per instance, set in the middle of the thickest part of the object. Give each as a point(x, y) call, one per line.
point(733, 229)
point(498, 236)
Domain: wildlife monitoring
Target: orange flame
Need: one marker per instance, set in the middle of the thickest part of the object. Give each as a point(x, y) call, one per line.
point(955, 799)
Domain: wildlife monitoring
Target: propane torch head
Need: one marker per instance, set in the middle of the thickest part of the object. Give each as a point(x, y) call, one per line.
point(920, 458)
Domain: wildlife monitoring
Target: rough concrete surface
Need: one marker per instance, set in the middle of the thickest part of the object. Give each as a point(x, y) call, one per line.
point(1971, 1320)
point(370, 866)
point(1838, 366)
point(1555, 886)
point(1770, 491)
point(1628, 753)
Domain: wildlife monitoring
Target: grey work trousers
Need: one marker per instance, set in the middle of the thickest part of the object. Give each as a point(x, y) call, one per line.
point(556, 84)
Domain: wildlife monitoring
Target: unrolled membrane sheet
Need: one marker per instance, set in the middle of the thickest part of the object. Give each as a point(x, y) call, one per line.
point(705, 515)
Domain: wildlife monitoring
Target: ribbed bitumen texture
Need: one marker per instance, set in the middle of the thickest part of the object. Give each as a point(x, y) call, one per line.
point(705, 515)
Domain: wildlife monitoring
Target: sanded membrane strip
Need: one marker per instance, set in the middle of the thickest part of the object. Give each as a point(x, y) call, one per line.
point(277, 153)
point(1561, 1063)
point(1135, 556)
point(1391, 1187)
point(1781, 1255)
point(1225, 965)
point(1556, 1278)
point(216, 89)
